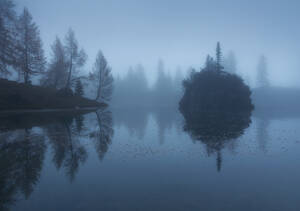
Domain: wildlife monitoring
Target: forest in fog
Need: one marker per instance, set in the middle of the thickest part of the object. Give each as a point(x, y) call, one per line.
point(69, 70)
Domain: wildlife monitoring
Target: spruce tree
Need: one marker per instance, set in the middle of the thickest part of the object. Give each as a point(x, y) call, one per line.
point(219, 57)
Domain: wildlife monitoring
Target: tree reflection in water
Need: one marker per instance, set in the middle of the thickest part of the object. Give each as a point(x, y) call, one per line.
point(103, 137)
point(23, 147)
point(216, 129)
point(21, 160)
point(67, 149)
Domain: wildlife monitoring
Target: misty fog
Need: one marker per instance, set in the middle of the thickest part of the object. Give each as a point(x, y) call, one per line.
point(181, 33)
point(181, 105)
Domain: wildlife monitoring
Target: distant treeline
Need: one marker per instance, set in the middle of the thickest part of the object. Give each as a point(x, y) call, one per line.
point(134, 89)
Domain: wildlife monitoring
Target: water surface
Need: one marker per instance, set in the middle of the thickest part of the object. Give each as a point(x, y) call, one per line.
point(132, 159)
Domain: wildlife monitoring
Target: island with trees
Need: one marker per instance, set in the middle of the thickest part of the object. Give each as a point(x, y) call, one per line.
point(216, 106)
point(213, 89)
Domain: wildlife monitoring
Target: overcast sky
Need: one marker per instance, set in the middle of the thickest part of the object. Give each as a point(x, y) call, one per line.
point(181, 32)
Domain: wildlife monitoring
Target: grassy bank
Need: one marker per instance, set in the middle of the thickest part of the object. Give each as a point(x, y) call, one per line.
point(16, 96)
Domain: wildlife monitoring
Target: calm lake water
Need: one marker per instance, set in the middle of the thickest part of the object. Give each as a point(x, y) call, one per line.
point(118, 159)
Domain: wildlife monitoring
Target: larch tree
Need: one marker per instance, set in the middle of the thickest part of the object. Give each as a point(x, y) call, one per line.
point(76, 58)
point(57, 71)
point(31, 60)
point(8, 34)
point(101, 74)
point(262, 73)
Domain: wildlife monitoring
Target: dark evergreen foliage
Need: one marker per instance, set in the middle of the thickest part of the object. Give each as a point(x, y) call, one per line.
point(212, 89)
point(79, 88)
point(219, 57)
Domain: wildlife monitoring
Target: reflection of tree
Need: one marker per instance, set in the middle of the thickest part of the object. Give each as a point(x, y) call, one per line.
point(164, 119)
point(21, 161)
point(262, 133)
point(79, 123)
point(31, 154)
point(216, 129)
point(135, 120)
point(103, 137)
point(22, 150)
point(68, 151)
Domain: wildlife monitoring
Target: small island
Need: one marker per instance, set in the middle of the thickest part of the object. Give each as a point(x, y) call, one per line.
point(216, 106)
point(213, 89)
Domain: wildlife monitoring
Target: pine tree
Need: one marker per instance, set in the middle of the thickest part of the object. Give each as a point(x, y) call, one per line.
point(219, 57)
point(79, 88)
point(31, 60)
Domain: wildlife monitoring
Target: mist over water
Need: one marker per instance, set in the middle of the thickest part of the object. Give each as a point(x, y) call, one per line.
point(133, 159)
point(149, 105)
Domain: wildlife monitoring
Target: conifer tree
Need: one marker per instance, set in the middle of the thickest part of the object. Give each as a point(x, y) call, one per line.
point(31, 60)
point(79, 88)
point(219, 57)
point(8, 36)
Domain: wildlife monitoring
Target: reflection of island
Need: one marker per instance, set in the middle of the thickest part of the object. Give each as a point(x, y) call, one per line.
point(23, 147)
point(216, 129)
